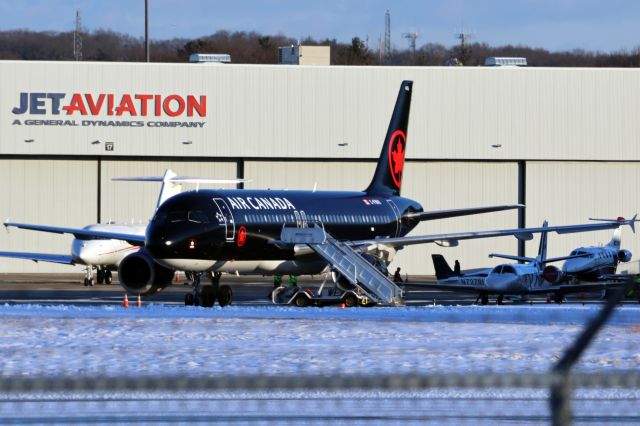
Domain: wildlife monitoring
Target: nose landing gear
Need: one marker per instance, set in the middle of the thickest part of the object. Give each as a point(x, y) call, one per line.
point(206, 295)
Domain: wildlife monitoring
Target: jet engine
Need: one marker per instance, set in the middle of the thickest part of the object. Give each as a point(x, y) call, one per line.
point(140, 274)
point(624, 255)
point(552, 274)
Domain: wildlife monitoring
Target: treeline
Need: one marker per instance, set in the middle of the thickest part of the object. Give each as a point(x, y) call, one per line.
point(255, 48)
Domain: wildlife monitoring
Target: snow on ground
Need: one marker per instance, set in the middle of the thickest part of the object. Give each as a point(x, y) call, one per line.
point(156, 340)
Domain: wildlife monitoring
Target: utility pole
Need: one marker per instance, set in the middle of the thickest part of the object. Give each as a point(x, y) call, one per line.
point(77, 38)
point(146, 30)
point(464, 50)
point(387, 36)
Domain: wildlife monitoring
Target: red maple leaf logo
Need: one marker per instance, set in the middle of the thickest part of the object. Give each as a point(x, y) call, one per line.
point(396, 156)
point(242, 236)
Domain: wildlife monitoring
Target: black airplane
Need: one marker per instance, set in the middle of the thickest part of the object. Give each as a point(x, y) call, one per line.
point(239, 231)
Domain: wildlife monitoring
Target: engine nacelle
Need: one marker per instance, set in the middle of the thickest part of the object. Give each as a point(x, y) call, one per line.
point(140, 274)
point(624, 256)
point(552, 274)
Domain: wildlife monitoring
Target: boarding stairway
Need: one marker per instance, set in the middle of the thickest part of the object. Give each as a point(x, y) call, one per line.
point(349, 263)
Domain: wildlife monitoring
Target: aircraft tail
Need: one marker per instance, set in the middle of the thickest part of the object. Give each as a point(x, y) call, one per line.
point(387, 179)
point(615, 240)
point(443, 270)
point(542, 249)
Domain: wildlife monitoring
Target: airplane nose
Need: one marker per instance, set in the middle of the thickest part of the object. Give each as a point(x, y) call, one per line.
point(575, 265)
point(501, 282)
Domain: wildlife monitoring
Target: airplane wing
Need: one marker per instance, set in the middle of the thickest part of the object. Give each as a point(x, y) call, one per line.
point(442, 214)
point(450, 240)
point(40, 257)
point(133, 239)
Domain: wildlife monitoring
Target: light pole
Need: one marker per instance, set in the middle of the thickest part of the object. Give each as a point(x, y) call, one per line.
point(146, 30)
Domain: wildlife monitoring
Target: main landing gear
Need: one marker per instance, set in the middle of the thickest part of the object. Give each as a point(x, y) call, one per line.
point(103, 275)
point(205, 295)
point(483, 298)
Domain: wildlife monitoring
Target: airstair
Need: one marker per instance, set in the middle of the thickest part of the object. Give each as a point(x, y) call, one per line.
point(348, 262)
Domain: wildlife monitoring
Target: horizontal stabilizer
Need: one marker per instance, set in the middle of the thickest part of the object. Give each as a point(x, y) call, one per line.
point(443, 214)
point(631, 222)
point(511, 257)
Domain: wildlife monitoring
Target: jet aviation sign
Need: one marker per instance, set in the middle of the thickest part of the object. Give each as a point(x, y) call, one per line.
point(78, 109)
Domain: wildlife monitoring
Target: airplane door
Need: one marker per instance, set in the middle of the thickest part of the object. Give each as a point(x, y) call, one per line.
point(225, 216)
point(396, 215)
point(298, 220)
point(303, 216)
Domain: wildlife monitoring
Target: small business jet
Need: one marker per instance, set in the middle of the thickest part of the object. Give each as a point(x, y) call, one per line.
point(595, 262)
point(516, 279)
point(264, 232)
point(104, 255)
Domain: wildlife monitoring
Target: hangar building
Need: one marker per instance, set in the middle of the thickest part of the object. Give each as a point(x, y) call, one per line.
point(563, 141)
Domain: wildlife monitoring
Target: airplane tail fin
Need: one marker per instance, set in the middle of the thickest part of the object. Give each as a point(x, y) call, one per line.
point(387, 179)
point(615, 239)
point(443, 270)
point(542, 249)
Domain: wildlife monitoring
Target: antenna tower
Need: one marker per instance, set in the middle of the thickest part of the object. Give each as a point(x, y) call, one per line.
point(387, 35)
point(412, 37)
point(77, 38)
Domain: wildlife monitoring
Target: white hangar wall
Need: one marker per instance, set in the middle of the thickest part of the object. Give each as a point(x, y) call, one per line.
point(53, 192)
point(267, 111)
point(572, 192)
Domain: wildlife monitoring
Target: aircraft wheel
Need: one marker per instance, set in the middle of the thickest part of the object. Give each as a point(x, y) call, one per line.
point(86, 282)
point(225, 295)
point(196, 300)
point(188, 299)
point(301, 301)
point(208, 296)
point(108, 277)
point(100, 276)
point(350, 301)
point(558, 298)
point(500, 299)
point(484, 299)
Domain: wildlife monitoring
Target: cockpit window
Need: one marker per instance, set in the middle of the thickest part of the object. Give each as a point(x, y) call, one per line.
point(177, 216)
point(507, 269)
point(197, 216)
point(497, 270)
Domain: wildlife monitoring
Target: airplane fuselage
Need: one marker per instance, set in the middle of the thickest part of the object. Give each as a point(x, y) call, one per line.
point(515, 279)
point(597, 261)
point(234, 230)
point(107, 253)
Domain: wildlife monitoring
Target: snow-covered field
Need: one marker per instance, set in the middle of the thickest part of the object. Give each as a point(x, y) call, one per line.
point(152, 340)
point(37, 341)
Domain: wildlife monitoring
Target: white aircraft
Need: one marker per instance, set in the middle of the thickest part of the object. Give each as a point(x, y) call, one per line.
point(595, 262)
point(515, 279)
point(105, 254)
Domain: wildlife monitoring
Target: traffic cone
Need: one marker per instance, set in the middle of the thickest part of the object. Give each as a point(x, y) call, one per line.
point(125, 302)
point(342, 306)
point(139, 302)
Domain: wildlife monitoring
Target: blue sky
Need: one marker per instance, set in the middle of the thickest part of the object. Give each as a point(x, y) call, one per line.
point(552, 24)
